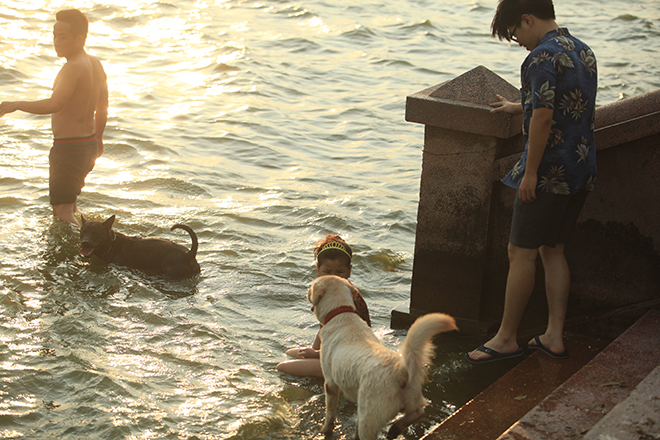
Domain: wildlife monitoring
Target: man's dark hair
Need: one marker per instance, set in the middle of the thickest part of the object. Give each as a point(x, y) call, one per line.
point(76, 19)
point(510, 12)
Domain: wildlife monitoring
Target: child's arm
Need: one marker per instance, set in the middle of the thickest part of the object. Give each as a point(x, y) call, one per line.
point(317, 342)
point(311, 353)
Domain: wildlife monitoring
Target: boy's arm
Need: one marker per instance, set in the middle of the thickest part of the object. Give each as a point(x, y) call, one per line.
point(65, 85)
point(101, 115)
point(539, 131)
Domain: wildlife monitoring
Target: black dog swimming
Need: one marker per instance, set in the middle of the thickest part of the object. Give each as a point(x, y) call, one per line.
point(152, 255)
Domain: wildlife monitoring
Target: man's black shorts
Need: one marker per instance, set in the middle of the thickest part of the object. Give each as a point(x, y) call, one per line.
point(546, 221)
point(70, 162)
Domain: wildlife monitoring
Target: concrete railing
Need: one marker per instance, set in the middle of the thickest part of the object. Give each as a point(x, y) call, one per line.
point(463, 221)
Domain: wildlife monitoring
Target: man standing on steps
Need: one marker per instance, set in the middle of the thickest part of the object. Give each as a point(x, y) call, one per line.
point(555, 173)
point(79, 109)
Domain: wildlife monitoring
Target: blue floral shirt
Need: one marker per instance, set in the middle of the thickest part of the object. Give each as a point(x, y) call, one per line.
point(560, 74)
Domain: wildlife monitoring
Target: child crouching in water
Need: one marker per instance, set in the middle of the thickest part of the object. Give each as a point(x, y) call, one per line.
point(333, 257)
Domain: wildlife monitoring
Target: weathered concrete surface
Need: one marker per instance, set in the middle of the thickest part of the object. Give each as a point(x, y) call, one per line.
point(460, 147)
point(460, 263)
point(623, 121)
point(578, 404)
point(637, 417)
point(462, 105)
point(452, 235)
point(547, 399)
point(615, 249)
point(502, 404)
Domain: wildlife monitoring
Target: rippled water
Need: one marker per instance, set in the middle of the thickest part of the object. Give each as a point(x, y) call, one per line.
point(263, 125)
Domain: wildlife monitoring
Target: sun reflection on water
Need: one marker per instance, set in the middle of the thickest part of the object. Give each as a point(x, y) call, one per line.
point(262, 124)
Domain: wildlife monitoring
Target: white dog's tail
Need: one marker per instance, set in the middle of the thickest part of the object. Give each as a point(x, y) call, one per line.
point(418, 347)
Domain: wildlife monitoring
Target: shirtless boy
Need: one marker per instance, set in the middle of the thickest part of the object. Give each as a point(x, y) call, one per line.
point(79, 109)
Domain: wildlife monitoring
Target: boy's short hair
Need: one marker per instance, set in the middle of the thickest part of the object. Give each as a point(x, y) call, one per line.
point(76, 19)
point(333, 247)
point(510, 12)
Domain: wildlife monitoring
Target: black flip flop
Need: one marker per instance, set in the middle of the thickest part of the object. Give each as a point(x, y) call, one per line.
point(539, 346)
point(494, 355)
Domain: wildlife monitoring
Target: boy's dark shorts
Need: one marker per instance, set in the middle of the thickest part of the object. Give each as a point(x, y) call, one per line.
point(70, 162)
point(546, 221)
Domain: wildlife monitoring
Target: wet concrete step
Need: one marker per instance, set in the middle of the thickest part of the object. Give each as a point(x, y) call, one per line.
point(582, 401)
point(637, 417)
point(516, 393)
point(545, 398)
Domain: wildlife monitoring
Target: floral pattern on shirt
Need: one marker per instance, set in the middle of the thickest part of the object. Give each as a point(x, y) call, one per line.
point(560, 74)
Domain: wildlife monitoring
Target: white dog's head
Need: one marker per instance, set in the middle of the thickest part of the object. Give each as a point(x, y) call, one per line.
point(328, 293)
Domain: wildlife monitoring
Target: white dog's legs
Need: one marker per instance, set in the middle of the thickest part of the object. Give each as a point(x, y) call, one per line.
point(367, 430)
point(331, 402)
point(371, 419)
point(403, 422)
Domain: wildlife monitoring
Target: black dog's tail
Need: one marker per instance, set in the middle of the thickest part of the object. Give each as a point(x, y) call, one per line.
point(193, 250)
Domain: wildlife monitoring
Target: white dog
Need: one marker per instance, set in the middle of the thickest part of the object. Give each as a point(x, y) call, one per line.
point(382, 382)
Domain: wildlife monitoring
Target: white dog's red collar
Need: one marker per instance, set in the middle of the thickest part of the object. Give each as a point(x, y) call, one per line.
point(336, 312)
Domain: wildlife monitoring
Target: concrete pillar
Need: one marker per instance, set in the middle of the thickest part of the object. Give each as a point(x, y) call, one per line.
point(462, 141)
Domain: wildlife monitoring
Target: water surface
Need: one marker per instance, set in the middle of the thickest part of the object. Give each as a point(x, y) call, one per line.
point(262, 125)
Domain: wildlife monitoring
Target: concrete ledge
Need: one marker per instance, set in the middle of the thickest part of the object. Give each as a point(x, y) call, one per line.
point(403, 317)
point(627, 120)
point(462, 105)
point(627, 131)
point(617, 123)
point(626, 109)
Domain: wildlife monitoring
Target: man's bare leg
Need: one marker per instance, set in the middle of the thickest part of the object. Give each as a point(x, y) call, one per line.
point(557, 286)
point(519, 287)
point(65, 212)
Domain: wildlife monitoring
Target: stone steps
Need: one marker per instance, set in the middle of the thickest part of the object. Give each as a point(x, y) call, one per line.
point(544, 398)
point(637, 417)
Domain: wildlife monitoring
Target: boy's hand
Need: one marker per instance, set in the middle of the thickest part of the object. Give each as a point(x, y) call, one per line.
point(506, 106)
point(8, 107)
point(527, 190)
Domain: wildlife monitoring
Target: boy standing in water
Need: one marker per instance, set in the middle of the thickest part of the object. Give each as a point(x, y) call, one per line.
point(333, 257)
point(555, 172)
point(79, 109)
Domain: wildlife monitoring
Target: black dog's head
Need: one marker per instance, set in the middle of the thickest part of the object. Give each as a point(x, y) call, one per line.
point(93, 234)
